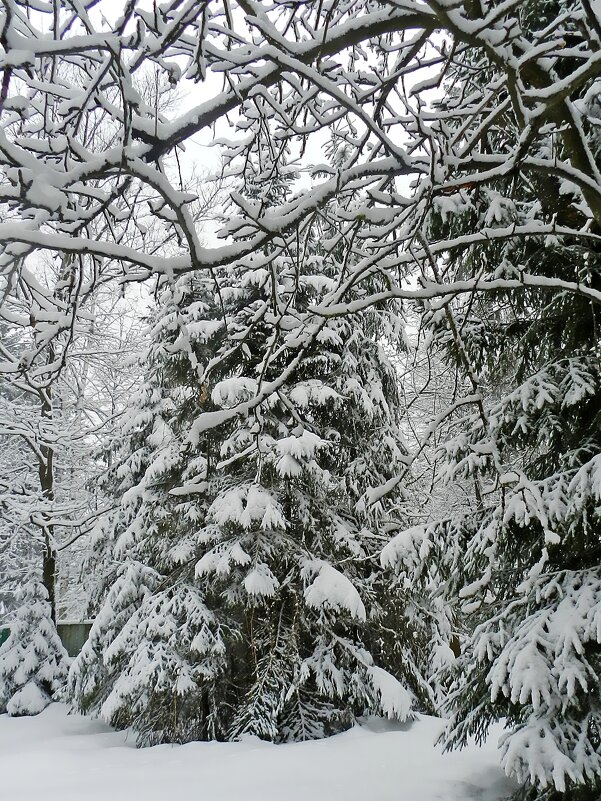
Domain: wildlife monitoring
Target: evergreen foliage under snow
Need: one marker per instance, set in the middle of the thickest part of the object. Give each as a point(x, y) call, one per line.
point(33, 662)
point(268, 605)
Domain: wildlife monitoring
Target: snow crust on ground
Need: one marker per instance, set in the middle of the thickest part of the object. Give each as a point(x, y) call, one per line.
point(62, 757)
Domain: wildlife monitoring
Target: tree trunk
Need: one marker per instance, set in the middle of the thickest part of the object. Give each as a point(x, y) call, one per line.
point(46, 474)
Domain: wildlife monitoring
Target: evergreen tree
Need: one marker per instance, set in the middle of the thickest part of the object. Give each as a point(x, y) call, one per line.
point(527, 548)
point(251, 479)
point(33, 662)
point(130, 671)
point(268, 609)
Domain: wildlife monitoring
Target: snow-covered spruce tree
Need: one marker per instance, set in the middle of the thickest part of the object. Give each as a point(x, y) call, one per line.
point(528, 566)
point(130, 671)
point(527, 563)
point(33, 662)
point(293, 545)
point(268, 611)
point(307, 458)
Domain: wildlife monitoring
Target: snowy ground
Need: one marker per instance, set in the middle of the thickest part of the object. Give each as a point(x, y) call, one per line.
point(60, 757)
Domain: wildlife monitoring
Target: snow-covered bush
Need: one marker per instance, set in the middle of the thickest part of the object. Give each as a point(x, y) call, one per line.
point(33, 662)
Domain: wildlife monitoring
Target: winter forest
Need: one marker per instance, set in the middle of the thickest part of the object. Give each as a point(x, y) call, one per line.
point(300, 379)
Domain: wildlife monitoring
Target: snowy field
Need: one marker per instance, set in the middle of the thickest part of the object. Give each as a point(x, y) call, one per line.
point(61, 757)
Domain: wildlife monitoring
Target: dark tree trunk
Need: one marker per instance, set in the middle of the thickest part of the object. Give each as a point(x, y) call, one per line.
point(46, 473)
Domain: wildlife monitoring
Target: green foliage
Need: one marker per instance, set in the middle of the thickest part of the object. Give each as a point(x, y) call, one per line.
point(261, 523)
point(527, 566)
